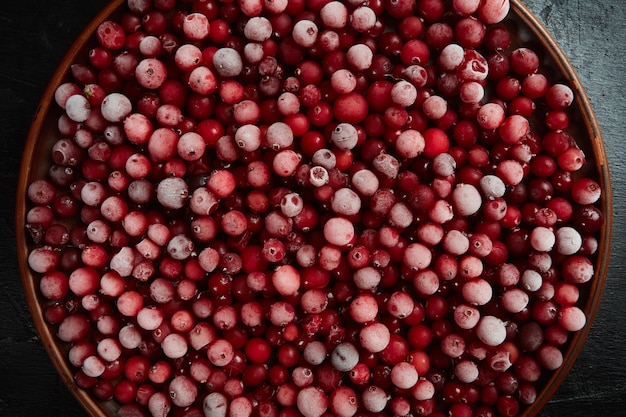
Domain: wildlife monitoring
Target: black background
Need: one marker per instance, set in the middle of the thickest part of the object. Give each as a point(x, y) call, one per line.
point(34, 36)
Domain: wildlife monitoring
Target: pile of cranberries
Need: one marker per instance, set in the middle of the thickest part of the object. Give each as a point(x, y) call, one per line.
point(282, 208)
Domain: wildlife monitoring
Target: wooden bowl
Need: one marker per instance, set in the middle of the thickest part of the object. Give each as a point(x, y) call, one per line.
point(526, 28)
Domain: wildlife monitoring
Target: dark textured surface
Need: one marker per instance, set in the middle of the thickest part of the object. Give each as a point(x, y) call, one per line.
point(34, 35)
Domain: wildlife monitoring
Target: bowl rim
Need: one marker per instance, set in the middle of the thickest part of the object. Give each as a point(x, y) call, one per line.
point(99, 408)
point(45, 332)
point(601, 266)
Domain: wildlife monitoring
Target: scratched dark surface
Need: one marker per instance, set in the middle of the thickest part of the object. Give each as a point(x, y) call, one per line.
point(34, 36)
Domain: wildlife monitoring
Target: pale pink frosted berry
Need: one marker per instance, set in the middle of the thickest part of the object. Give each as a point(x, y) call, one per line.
point(183, 391)
point(328, 40)
point(435, 107)
point(174, 346)
point(423, 389)
point(286, 162)
point(196, 26)
point(400, 216)
point(306, 255)
point(374, 337)
point(150, 46)
point(344, 402)
point(315, 352)
point(386, 165)
point(159, 404)
point(466, 200)
point(109, 349)
point(490, 116)
point(203, 201)
point(168, 115)
point(251, 8)
point(257, 29)
point(275, 6)
point(409, 144)
point(491, 330)
point(403, 93)
point(246, 112)
point(477, 291)
point(279, 136)
point(542, 239)
point(253, 53)
point(318, 176)
point(572, 318)
point(130, 303)
point(150, 318)
point(510, 172)
point(367, 278)
point(344, 357)
point(417, 256)
point(374, 399)
point(492, 187)
point(493, 11)
point(346, 202)
point(514, 300)
point(344, 136)
point(93, 366)
point(400, 304)
point(359, 57)
point(137, 128)
point(180, 247)
point(281, 313)
point(172, 193)
point(227, 62)
point(466, 316)
point(338, 231)
point(453, 345)
point(465, 7)
point(202, 80)
point(312, 402)
point(291, 204)
point(363, 19)
point(129, 336)
point(568, 240)
point(404, 375)
point(286, 279)
point(302, 376)
point(363, 308)
point(559, 96)
point(115, 107)
point(466, 371)
point(334, 15)
point(191, 146)
point(426, 282)
point(215, 404)
point(77, 108)
point(514, 129)
point(151, 73)
point(443, 164)
point(248, 137)
point(304, 33)
point(123, 262)
point(65, 91)
point(324, 158)
point(430, 233)
point(450, 57)
point(471, 92)
point(365, 182)
point(220, 352)
point(343, 81)
point(416, 74)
